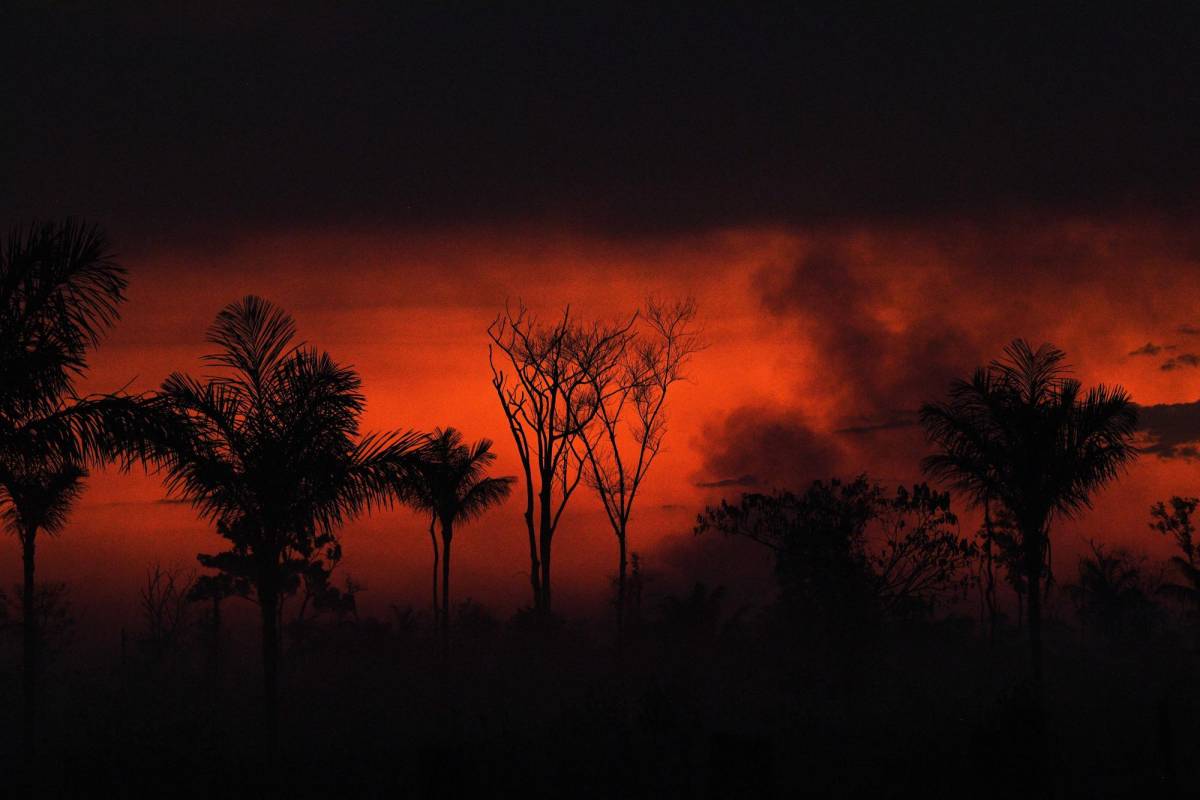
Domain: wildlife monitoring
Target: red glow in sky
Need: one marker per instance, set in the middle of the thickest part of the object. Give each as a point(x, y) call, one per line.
point(821, 344)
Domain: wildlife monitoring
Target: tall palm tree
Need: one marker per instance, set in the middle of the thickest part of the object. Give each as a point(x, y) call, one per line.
point(451, 485)
point(1025, 435)
point(60, 290)
point(269, 449)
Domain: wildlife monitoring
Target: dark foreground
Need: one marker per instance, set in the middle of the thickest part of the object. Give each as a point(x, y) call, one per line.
point(746, 707)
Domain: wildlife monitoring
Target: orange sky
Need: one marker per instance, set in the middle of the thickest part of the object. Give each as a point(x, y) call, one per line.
point(810, 333)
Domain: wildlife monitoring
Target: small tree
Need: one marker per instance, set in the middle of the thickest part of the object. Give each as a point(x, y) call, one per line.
point(922, 559)
point(846, 552)
point(39, 499)
point(544, 377)
point(1176, 522)
point(450, 484)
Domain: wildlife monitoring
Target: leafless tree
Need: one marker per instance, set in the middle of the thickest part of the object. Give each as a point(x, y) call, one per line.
point(544, 374)
point(630, 418)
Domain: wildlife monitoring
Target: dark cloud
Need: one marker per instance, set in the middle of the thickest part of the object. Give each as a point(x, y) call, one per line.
point(1188, 330)
point(759, 448)
point(904, 420)
point(168, 124)
point(1180, 361)
point(1151, 349)
point(1172, 429)
point(743, 480)
point(836, 299)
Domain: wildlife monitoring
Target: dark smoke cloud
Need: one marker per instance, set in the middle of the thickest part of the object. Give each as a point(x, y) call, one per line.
point(835, 299)
point(1180, 361)
point(759, 448)
point(1151, 349)
point(891, 318)
point(1172, 430)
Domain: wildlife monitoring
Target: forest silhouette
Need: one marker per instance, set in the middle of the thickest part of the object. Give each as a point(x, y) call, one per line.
point(898, 650)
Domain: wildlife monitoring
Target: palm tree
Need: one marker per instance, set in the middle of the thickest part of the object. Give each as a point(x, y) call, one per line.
point(451, 486)
point(60, 289)
point(269, 449)
point(1022, 434)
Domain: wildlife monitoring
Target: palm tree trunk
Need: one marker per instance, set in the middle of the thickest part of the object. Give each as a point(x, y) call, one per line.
point(269, 605)
point(30, 642)
point(1033, 570)
point(214, 641)
point(433, 539)
point(990, 587)
point(447, 536)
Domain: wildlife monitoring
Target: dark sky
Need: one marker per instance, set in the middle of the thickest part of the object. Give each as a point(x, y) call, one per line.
point(185, 124)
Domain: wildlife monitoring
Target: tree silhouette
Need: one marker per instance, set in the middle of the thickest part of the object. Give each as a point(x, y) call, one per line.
point(1111, 591)
point(630, 417)
point(846, 552)
point(549, 401)
point(1023, 434)
point(269, 449)
point(60, 289)
point(38, 499)
point(450, 484)
point(1176, 522)
point(921, 559)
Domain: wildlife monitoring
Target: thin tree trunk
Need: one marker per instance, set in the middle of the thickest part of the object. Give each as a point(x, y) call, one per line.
point(621, 570)
point(447, 537)
point(546, 599)
point(269, 605)
point(545, 535)
point(535, 576)
point(30, 655)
